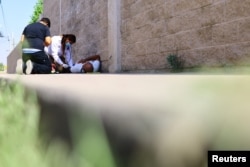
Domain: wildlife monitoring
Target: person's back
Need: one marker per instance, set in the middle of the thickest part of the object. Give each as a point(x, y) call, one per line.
point(54, 49)
point(35, 34)
point(34, 60)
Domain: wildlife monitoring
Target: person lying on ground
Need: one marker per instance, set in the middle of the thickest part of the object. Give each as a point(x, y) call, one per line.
point(86, 65)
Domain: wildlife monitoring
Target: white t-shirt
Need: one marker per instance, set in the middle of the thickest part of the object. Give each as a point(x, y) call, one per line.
point(77, 68)
point(95, 64)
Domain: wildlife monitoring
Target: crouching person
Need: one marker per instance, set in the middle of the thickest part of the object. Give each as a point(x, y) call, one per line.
point(89, 64)
point(34, 60)
point(60, 52)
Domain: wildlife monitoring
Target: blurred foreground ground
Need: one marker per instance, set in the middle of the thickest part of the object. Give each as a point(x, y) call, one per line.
point(150, 120)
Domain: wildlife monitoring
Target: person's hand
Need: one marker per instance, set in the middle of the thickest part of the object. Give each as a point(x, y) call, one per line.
point(65, 65)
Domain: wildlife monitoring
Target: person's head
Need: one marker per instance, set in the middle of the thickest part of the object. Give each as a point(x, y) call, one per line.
point(87, 67)
point(67, 39)
point(46, 21)
point(71, 38)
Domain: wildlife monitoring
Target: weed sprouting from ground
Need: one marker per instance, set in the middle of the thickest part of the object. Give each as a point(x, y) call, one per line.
point(175, 62)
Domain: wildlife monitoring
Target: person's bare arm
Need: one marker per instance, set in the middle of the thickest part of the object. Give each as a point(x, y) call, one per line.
point(94, 57)
point(47, 41)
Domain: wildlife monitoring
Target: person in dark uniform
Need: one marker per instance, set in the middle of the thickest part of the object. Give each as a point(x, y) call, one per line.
point(34, 37)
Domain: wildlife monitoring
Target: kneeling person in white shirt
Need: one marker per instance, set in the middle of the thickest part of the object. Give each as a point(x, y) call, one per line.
point(60, 52)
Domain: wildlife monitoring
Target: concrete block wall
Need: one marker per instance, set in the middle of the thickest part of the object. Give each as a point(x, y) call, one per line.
point(202, 32)
point(12, 59)
point(87, 20)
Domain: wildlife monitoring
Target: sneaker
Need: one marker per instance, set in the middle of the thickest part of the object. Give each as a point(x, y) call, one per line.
point(29, 67)
point(19, 66)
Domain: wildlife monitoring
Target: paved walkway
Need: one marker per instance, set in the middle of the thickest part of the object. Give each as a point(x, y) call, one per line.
point(107, 90)
point(151, 92)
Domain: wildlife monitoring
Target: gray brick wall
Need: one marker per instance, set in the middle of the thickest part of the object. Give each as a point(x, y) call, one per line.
point(202, 32)
point(87, 19)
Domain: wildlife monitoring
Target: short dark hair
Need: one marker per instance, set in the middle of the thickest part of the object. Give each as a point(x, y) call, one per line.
point(46, 20)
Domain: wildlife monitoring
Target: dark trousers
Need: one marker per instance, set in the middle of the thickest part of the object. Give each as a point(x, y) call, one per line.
point(41, 62)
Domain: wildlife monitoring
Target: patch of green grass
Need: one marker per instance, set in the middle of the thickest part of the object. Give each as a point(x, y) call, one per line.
point(18, 127)
point(20, 145)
